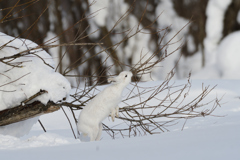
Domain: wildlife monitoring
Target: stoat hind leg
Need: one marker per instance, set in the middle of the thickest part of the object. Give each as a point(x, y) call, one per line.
point(99, 132)
point(114, 112)
point(117, 111)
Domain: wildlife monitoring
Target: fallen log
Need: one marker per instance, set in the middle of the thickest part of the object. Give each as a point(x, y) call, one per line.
point(27, 110)
point(20, 113)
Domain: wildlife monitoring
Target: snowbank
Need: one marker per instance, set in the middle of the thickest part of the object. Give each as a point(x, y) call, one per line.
point(24, 76)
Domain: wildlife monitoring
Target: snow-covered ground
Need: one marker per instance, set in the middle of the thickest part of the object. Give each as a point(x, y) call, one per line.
point(202, 138)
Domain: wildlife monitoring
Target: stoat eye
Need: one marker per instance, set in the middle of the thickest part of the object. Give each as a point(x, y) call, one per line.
point(125, 75)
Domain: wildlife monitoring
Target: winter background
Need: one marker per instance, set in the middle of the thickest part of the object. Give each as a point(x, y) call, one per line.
point(217, 63)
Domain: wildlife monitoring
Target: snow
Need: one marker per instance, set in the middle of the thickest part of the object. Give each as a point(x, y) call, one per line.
point(228, 51)
point(100, 10)
point(226, 63)
point(202, 138)
point(51, 39)
point(140, 55)
point(185, 145)
point(45, 139)
point(168, 17)
point(213, 44)
point(214, 26)
point(18, 129)
point(31, 75)
point(190, 64)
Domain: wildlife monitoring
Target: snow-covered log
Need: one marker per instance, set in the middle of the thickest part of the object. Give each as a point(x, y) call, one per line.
point(28, 82)
point(27, 111)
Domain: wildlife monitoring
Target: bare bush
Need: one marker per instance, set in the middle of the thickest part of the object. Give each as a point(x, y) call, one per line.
point(152, 109)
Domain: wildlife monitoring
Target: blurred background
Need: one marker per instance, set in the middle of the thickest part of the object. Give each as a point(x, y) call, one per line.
point(131, 33)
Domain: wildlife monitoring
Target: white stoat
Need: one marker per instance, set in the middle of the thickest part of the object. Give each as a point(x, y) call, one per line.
point(106, 102)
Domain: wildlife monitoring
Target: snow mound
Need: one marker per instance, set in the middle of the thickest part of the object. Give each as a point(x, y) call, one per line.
point(228, 55)
point(33, 72)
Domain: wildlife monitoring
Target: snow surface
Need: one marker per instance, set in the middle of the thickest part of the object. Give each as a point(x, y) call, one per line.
point(202, 138)
point(19, 83)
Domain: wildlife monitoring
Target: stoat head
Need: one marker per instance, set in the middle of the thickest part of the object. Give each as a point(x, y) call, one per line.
point(123, 78)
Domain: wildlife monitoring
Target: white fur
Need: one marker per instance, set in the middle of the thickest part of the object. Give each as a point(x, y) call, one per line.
point(106, 102)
